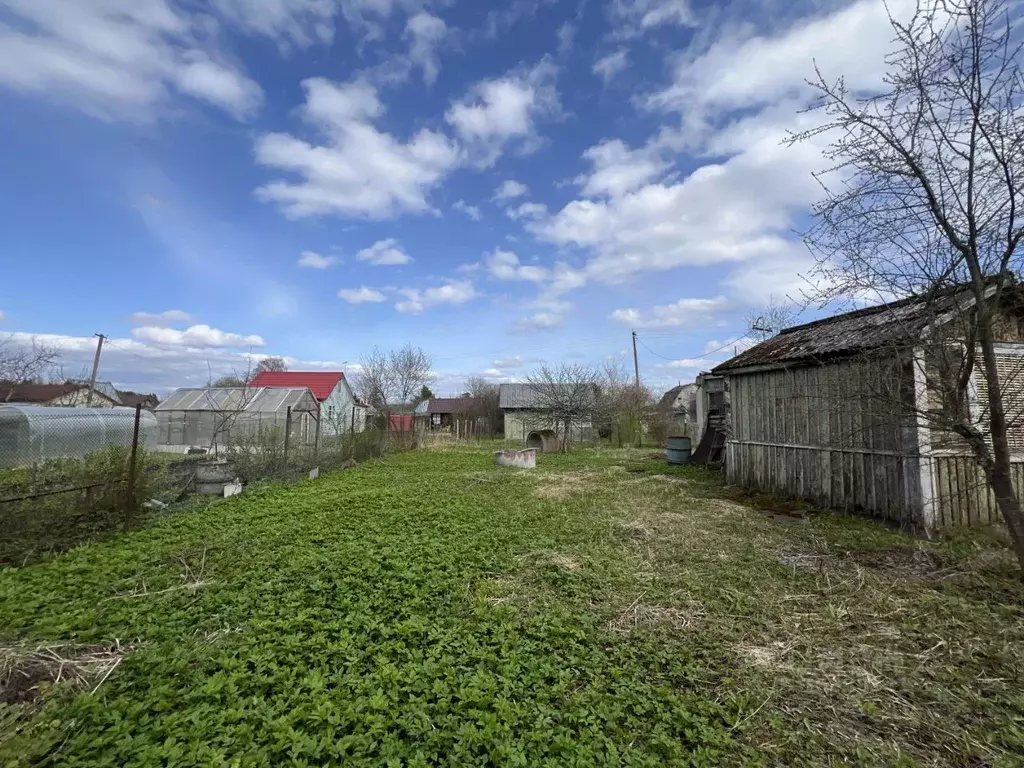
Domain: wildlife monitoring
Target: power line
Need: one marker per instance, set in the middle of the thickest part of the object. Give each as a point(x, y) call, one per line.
point(696, 357)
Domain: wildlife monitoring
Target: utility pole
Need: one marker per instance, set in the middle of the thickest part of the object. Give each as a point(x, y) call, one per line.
point(95, 369)
point(636, 362)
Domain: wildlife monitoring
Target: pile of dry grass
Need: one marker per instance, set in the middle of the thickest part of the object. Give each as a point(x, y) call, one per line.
point(27, 673)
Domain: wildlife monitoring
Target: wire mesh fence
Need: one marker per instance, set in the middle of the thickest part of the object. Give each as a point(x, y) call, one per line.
point(68, 477)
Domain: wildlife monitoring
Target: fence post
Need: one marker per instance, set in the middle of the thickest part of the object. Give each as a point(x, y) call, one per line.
point(287, 435)
point(132, 469)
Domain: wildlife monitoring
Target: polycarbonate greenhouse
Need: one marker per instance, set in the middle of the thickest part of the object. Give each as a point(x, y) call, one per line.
point(218, 416)
point(34, 433)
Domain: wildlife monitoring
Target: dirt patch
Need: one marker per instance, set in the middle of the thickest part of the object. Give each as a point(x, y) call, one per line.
point(27, 673)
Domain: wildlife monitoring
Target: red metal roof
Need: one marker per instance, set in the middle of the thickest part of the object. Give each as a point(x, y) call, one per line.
point(320, 383)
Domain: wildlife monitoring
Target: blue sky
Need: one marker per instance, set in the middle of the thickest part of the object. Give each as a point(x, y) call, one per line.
point(499, 183)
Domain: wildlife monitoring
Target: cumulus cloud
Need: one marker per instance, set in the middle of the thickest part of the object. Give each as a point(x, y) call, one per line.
point(314, 260)
point(609, 66)
point(509, 190)
point(505, 265)
point(119, 59)
point(527, 211)
point(425, 34)
point(470, 210)
point(384, 253)
point(357, 170)
point(195, 336)
point(541, 321)
point(617, 168)
point(514, 361)
point(496, 112)
point(689, 313)
point(160, 319)
point(361, 295)
point(454, 292)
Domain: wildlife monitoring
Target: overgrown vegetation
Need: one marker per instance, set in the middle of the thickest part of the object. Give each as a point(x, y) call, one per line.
point(604, 609)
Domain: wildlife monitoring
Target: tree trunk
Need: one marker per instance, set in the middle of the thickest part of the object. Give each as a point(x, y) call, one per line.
point(998, 470)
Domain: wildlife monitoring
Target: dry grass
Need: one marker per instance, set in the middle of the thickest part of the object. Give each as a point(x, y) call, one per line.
point(27, 673)
point(561, 487)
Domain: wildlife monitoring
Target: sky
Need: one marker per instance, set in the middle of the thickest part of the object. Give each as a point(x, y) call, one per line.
point(502, 184)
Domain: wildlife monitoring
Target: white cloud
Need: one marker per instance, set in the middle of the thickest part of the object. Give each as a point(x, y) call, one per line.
point(195, 336)
point(425, 33)
point(504, 109)
point(160, 319)
point(618, 168)
point(608, 66)
point(527, 211)
point(314, 260)
point(2, 315)
point(566, 36)
point(510, 189)
point(117, 59)
point(454, 292)
point(688, 313)
point(645, 14)
point(505, 265)
point(470, 210)
point(296, 22)
point(384, 253)
point(358, 171)
point(542, 321)
point(361, 295)
point(514, 361)
point(690, 363)
point(220, 85)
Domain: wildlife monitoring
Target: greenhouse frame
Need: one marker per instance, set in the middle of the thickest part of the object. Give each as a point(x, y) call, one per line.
point(217, 417)
point(36, 433)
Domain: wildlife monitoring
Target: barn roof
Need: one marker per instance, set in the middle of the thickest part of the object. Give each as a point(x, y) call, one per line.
point(524, 395)
point(456, 405)
point(848, 333)
point(320, 383)
point(41, 393)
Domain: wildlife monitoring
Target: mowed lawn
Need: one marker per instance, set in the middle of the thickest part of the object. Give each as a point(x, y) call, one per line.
point(430, 608)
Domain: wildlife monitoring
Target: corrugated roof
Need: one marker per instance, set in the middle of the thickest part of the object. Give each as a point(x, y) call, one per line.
point(457, 405)
point(264, 399)
point(847, 334)
point(42, 393)
point(320, 383)
point(522, 395)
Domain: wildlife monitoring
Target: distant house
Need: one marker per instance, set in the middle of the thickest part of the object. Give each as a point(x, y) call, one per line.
point(526, 408)
point(840, 412)
point(463, 415)
point(132, 399)
point(68, 395)
point(340, 410)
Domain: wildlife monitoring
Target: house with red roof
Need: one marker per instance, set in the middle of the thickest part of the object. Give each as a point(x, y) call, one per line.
point(340, 409)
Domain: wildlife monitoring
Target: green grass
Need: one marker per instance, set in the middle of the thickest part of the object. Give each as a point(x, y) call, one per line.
point(602, 610)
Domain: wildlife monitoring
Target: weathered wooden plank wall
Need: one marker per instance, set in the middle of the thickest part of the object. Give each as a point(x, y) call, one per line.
point(831, 434)
point(964, 496)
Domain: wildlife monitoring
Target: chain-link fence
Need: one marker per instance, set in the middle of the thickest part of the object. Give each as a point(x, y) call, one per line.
point(68, 473)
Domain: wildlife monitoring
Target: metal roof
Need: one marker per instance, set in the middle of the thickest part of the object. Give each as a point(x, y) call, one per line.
point(523, 395)
point(851, 332)
point(456, 405)
point(320, 383)
point(259, 399)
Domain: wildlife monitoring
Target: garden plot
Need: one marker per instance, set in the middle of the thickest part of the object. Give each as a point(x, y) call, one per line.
point(432, 608)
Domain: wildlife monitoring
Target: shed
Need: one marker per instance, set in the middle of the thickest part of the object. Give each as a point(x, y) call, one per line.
point(836, 411)
point(526, 408)
point(31, 433)
point(214, 417)
point(459, 415)
point(341, 410)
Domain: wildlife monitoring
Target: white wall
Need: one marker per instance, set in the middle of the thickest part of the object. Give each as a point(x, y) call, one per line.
point(336, 412)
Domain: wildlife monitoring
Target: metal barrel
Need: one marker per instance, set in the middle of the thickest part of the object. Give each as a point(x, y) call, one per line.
point(678, 450)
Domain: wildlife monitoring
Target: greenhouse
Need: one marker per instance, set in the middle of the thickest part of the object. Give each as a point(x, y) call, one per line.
point(216, 417)
point(34, 433)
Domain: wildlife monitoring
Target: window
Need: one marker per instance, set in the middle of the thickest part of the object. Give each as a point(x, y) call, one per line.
point(330, 411)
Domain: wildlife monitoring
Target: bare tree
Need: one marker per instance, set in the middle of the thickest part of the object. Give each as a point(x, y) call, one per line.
point(623, 410)
point(276, 364)
point(924, 199)
point(766, 322)
point(564, 398)
point(387, 379)
point(488, 398)
point(21, 362)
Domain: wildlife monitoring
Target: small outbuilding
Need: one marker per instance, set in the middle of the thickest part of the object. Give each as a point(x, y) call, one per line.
point(214, 417)
point(844, 411)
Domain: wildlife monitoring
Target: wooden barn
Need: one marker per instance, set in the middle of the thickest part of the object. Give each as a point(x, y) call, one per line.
point(844, 412)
